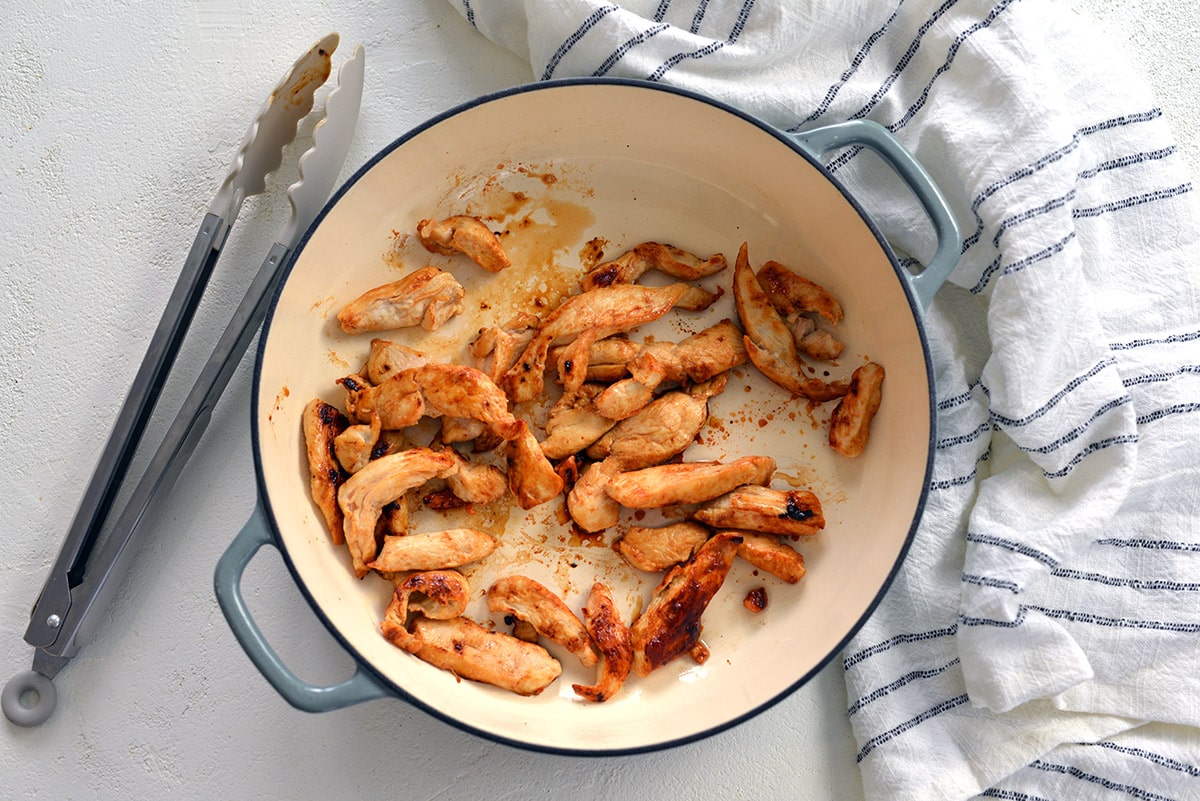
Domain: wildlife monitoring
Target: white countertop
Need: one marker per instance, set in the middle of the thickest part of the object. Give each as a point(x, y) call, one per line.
point(118, 121)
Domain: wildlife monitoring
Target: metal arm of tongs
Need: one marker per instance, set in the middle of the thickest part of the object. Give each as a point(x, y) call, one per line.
point(86, 572)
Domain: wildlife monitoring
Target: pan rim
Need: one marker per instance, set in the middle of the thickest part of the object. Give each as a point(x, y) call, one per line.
point(264, 500)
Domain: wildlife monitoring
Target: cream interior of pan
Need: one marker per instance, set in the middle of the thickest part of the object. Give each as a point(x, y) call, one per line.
point(565, 173)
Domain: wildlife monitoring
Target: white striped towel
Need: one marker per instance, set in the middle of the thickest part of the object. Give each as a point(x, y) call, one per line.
point(1043, 638)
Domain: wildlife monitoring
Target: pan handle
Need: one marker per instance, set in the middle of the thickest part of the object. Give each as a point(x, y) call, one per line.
point(872, 135)
point(227, 581)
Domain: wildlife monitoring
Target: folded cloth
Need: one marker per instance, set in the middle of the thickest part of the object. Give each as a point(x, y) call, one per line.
point(1043, 638)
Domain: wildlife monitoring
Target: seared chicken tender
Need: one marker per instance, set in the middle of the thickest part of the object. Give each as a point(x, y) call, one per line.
point(630, 265)
point(387, 358)
point(531, 477)
point(436, 594)
point(495, 349)
point(468, 650)
point(574, 423)
point(475, 483)
point(606, 358)
point(433, 550)
point(687, 482)
point(397, 402)
point(663, 429)
point(767, 552)
point(528, 600)
point(850, 424)
point(588, 502)
point(613, 641)
point(792, 293)
point(602, 313)
point(813, 341)
point(322, 423)
point(382, 481)
point(427, 297)
point(769, 343)
point(788, 512)
point(355, 446)
point(670, 626)
point(466, 235)
point(656, 549)
point(461, 391)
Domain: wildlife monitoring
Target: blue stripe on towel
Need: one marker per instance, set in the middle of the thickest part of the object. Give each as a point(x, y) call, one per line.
point(890, 687)
point(1150, 545)
point(896, 731)
point(574, 39)
point(988, 581)
point(1136, 200)
point(626, 46)
point(900, 639)
point(1095, 447)
point(1014, 546)
point(1107, 784)
point(698, 18)
point(1124, 581)
point(1149, 756)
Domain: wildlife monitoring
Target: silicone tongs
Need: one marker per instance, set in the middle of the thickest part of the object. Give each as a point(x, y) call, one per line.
point(89, 567)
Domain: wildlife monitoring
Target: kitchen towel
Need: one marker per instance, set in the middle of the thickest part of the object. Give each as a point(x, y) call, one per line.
point(1043, 637)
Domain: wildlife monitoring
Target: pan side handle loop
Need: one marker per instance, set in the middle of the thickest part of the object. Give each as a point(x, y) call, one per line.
point(878, 139)
point(227, 580)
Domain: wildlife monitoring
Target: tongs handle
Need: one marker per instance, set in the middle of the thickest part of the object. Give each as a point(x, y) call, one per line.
point(52, 607)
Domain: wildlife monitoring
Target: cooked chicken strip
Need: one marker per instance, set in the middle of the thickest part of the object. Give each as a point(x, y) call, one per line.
point(427, 297)
point(661, 430)
point(461, 429)
point(574, 423)
point(433, 550)
point(382, 481)
point(812, 341)
point(656, 549)
point(322, 423)
point(606, 358)
point(526, 599)
point(496, 349)
point(397, 401)
point(461, 391)
point(388, 358)
point(767, 552)
point(467, 235)
point(772, 511)
point(768, 341)
point(613, 641)
point(630, 395)
point(588, 503)
point(697, 298)
point(712, 351)
point(687, 482)
point(531, 477)
point(355, 446)
point(670, 625)
point(630, 265)
point(603, 312)
point(436, 594)
point(475, 483)
point(850, 424)
point(790, 292)
point(470, 651)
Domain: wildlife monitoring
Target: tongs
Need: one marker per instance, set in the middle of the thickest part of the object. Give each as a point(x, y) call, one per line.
point(88, 568)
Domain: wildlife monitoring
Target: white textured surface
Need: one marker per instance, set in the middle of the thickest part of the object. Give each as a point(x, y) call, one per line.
point(116, 123)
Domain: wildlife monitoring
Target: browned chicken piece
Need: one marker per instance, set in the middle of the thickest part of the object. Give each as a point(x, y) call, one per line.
point(495, 349)
point(606, 358)
point(436, 594)
point(460, 391)
point(461, 429)
point(572, 363)
point(475, 483)
point(382, 481)
point(771, 511)
point(322, 423)
point(466, 235)
point(656, 549)
point(588, 503)
point(687, 482)
point(850, 424)
point(790, 293)
point(433, 550)
point(768, 341)
point(613, 641)
point(427, 297)
point(531, 477)
point(813, 341)
point(767, 552)
point(574, 424)
point(397, 401)
point(603, 312)
point(670, 625)
point(528, 600)
point(356, 445)
point(629, 396)
point(712, 351)
point(663, 429)
point(387, 358)
point(632, 264)
point(468, 650)
point(697, 298)
point(393, 518)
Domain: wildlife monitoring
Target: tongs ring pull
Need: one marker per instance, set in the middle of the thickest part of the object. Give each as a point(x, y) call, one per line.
point(28, 699)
